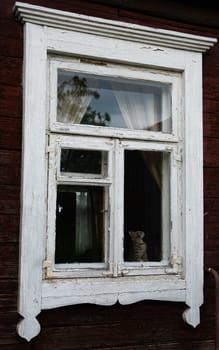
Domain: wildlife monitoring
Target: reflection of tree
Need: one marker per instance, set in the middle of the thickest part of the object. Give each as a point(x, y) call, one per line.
point(93, 117)
point(76, 87)
point(74, 97)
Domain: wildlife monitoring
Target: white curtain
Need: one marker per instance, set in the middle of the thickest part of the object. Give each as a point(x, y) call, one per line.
point(83, 238)
point(140, 112)
point(139, 109)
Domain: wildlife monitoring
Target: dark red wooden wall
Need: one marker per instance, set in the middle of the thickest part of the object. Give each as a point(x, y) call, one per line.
point(144, 325)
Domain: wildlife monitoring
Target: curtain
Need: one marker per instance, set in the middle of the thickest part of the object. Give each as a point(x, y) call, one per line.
point(71, 107)
point(88, 240)
point(138, 109)
point(83, 234)
point(140, 112)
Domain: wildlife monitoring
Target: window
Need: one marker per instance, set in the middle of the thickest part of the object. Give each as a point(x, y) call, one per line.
point(111, 195)
point(112, 165)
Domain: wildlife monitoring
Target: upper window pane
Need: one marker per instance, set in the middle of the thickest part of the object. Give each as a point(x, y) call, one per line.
point(113, 102)
point(83, 161)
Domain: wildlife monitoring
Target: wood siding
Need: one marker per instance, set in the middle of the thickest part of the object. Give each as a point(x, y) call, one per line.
point(144, 325)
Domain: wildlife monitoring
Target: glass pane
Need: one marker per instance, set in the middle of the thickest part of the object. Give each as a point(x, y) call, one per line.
point(79, 224)
point(114, 102)
point(146, 198)
point(83, 161)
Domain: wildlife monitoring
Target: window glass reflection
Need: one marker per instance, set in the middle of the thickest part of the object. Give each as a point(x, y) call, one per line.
point(83, 161)
point(113, 102)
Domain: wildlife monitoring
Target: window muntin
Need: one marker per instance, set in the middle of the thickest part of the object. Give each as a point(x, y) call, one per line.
point(114, 102)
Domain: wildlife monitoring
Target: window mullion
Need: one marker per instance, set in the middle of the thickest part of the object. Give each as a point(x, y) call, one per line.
point(52, 194)
point(176, 210)
point(166, 200)
point(117, 210)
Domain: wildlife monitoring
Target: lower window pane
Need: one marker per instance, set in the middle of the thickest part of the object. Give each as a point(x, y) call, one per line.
point(79, 224)
point(146, 198)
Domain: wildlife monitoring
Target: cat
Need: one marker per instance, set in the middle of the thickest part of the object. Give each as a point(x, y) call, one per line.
point(138, 246)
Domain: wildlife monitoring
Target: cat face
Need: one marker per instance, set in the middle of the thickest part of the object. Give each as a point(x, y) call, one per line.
point(136, 235)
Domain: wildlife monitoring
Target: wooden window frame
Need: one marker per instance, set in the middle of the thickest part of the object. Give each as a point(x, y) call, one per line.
point(49, 32)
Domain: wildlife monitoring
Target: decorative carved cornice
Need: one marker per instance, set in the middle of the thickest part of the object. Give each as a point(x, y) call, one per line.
point(109, 28)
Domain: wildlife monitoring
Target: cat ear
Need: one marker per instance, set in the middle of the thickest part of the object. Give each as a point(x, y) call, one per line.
point(141, 234)
point(130, 233)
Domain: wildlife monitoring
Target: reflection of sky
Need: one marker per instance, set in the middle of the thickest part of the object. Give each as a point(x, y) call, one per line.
point(106, 87)
point(107, 103)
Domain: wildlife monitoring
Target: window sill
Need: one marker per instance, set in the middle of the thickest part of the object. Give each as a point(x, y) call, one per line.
point(108, 291)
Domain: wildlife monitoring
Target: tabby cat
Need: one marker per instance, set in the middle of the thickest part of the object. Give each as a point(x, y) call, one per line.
point(138, 246)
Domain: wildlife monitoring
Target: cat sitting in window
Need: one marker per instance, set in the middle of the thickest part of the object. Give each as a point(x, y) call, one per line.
point(138, 246)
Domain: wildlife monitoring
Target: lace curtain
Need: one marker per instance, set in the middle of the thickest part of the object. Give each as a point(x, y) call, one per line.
point(88, 225)
point(138, 109)
point(140, 112)
point(71, 108)
point(83, 237)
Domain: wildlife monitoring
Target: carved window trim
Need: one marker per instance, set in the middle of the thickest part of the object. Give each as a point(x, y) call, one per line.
point(49, 31)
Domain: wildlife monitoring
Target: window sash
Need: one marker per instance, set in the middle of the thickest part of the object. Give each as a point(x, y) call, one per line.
point(115, 70)
point(114, 264)
point(55, 178)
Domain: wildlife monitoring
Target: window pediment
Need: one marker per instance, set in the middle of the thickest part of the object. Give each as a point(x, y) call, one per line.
point(28, 13)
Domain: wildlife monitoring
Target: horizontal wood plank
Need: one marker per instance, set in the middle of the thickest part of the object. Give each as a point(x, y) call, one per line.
point(18, 345)
point(11, 70)
point(128, 332)
point(9, 228)
point(11, 47)
point(10, 133)
point(9, 260)
point(211, 183)
point(211, 146)
point(10, 167)
point(10, 101)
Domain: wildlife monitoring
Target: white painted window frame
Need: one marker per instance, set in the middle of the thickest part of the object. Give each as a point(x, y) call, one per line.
point(147, 140)
point(48, 31)
point(114, 265)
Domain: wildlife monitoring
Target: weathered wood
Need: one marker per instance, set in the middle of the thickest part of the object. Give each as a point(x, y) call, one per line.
point(59, 324)
point(9, 228)
point(10, 164)
point(9, 260)
point(114, 322)
point(10, 133)
point(173, 51)
point(17, 346)
point(10, 100)
point(211, 183)
point(33, 219)
point(211, 158)
point(11, 71)
point(211, 120)
point(11, 47)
